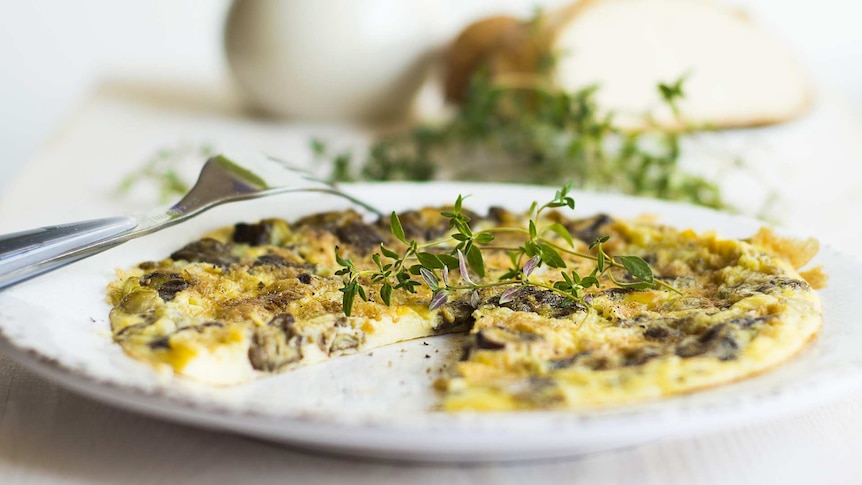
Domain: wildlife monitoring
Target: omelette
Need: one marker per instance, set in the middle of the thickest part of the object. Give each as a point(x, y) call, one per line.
point(265, 297)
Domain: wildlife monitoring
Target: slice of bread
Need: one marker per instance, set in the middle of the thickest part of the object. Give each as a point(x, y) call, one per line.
point(736, 74)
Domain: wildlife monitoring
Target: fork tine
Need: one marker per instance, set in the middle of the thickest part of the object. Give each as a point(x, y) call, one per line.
point(304, 173)
point(263, 175)
point(331, 187)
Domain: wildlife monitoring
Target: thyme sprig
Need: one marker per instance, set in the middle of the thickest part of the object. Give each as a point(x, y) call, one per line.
point(534, 134)
point(462, 251)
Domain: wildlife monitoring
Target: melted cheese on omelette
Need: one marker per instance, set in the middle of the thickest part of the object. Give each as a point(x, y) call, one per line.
point(261, 298)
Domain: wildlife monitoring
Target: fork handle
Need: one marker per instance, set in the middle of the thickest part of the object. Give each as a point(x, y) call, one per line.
point(32, 252)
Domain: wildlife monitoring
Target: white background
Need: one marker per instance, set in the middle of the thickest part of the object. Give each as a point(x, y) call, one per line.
point(53, 51)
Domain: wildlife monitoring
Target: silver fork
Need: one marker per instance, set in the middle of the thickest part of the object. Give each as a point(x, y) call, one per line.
point(29, 253)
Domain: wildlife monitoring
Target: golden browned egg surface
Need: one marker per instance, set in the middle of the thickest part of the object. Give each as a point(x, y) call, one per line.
point(260, 298)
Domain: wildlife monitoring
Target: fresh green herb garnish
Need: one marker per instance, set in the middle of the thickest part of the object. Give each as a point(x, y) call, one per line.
point(534, 134)
point(463, 251)
point(671, 93)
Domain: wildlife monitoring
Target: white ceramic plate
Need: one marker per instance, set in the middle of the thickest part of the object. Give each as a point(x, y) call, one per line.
point(380, 403)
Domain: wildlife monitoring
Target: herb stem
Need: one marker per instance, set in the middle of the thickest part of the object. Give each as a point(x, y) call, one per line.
point(610, 261)
point(525, 282)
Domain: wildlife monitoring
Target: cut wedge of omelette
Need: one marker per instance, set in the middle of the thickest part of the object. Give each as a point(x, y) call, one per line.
point(254, 299)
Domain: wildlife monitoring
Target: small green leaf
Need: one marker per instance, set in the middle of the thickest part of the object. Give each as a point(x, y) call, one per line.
point(532, 229)
point(346, 262)
point(430, 260)
point(598, 241)
point(318, 146)
point(475, 260)
point(511, 274)
point(561, 231)
point(484, 237)
point(551, 257)
point(396, 228)
point(671, 91)
point(449, 261)
point(386, 294)
point(638, 268)
point(388, 252)
point(590, 281)
point(463, 228)
point(531, 249)
point(564, 192)
point(348, 297)
point(376, 258)
point(600, 262)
